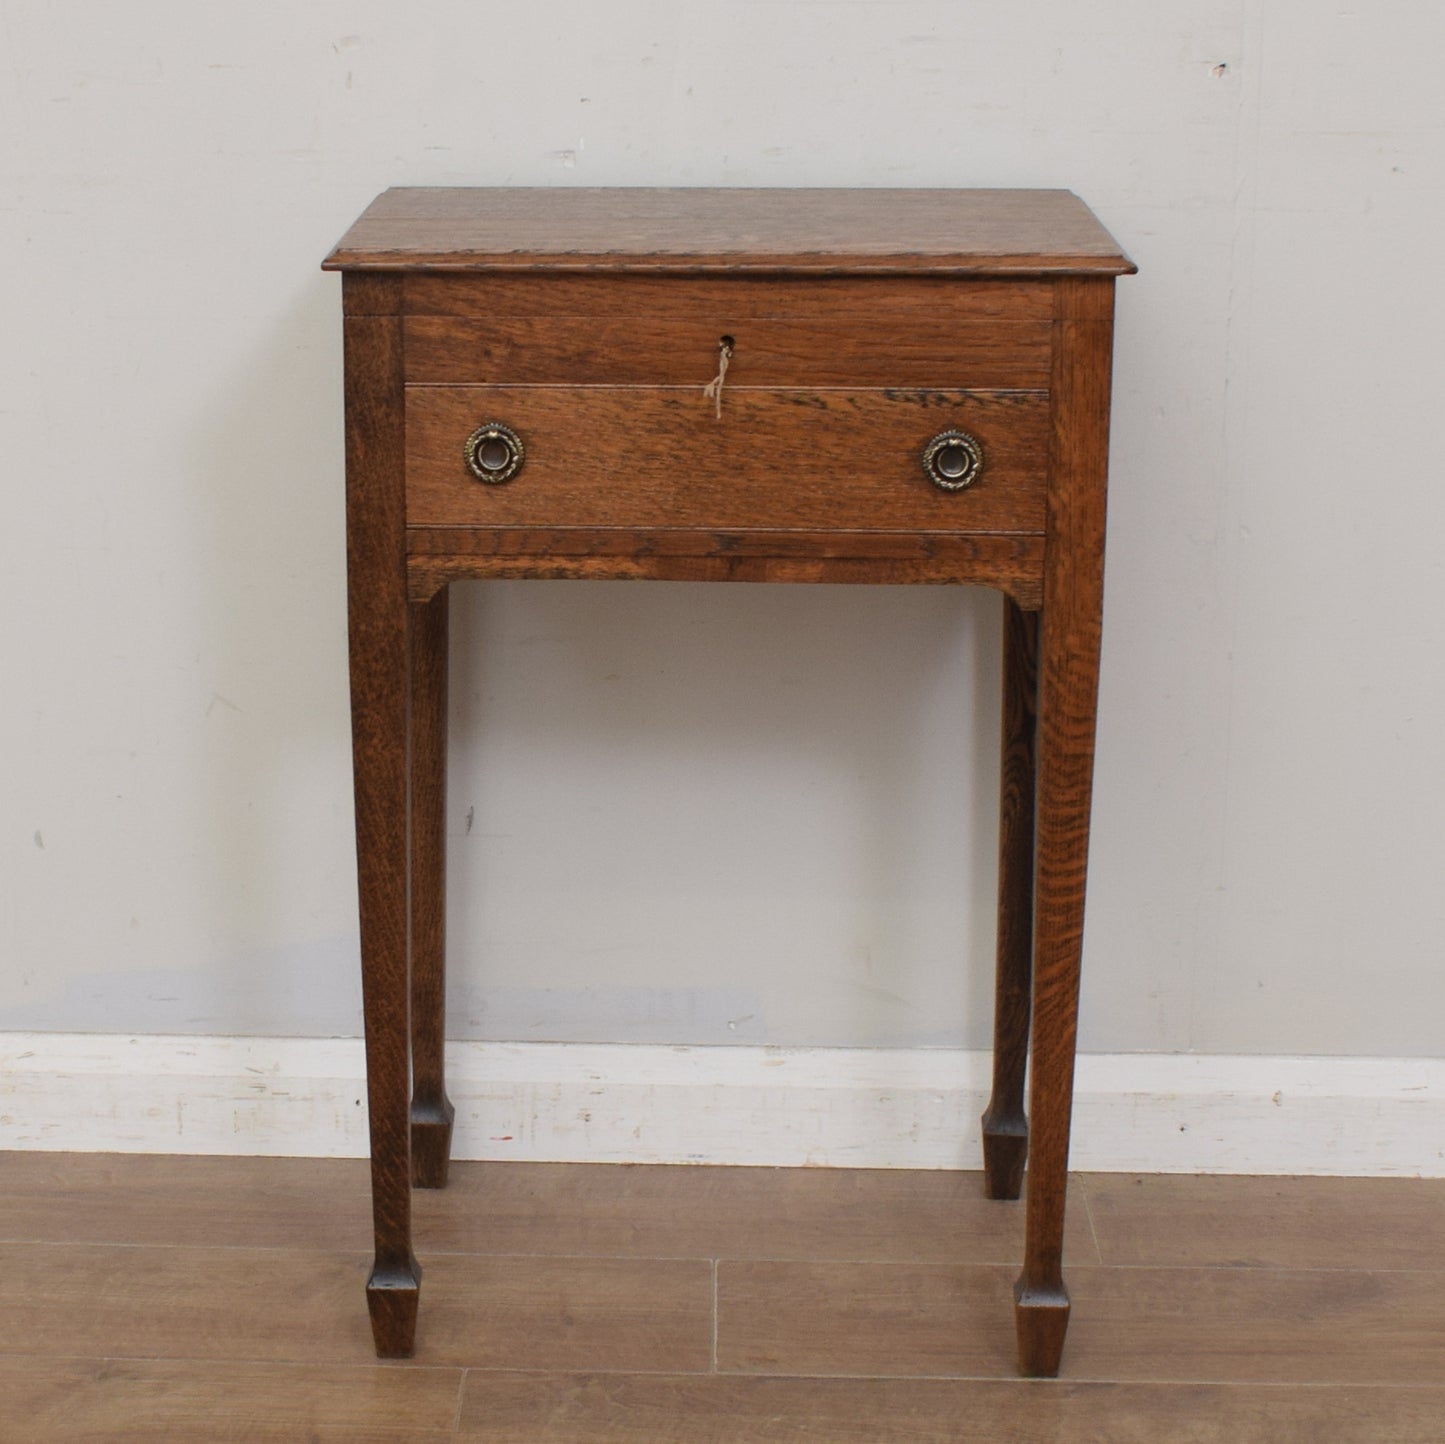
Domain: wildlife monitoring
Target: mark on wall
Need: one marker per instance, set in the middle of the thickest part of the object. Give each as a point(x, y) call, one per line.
point(224, 702)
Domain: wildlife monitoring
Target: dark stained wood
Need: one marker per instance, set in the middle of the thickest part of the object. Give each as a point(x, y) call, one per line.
point(371, 293)
point(929, 351)
point(910, 300)
point(379, 648)
point(1030, 232)
point(432, 1113)
point(1026, 549)
point(1005, 1125)
point(1010, 561)
point(429, 573)
point(656, 457)
point(1068, 685)
point(502, 1408)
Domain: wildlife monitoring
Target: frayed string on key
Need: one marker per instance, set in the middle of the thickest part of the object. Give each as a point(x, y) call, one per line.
point(714, 388)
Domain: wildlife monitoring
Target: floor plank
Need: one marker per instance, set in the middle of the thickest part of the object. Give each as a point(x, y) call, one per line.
point(567, 1313)
point(789, 1317)
point(212, 1299)
point(147, 1400)
point(145, 1302)
point(1257, 1325)
point(312, 1203)
point(504, 1208)
point(719, 1409)
point(1362, 1223)
point(149, 1302)
point(1217, 1325)
point(686, 1212)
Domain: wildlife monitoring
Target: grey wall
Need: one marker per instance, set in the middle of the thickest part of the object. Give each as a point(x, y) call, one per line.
point(722, 814)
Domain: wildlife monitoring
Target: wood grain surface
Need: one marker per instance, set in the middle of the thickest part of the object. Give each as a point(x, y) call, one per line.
point(1005, 1124)
point(642, 350)
point(1070, 628)
point(141, 1401)
point(1010, 562)
point(1130, 1323)
point(578, 1303)
point(828, 1317)
point(908, 1215)
point(1030, 232)
point(379, 645)
point(685, 1409)
point(432, 1112)
point(485, 1311)
point(1358, 1223)
point(986, 566)
point(657, 457)
point(306, 1203)
point(855, 327)
point(910, 299)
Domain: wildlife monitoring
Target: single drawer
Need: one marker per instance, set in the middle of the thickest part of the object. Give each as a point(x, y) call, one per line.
point(658, 331)
point(930, 351)
point(779, 459)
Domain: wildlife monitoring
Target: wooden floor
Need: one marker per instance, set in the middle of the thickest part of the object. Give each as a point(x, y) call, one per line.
point(150, 1298)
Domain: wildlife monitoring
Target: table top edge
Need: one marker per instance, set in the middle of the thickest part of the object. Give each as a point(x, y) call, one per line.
point(702, 230)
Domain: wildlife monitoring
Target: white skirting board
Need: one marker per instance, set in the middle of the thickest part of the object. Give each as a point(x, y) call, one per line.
point(824, 1107)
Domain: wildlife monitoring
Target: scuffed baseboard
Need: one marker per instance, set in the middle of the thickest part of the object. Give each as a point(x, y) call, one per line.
point(825, 1107)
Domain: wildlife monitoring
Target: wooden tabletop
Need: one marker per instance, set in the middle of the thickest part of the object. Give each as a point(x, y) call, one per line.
point(569, 228)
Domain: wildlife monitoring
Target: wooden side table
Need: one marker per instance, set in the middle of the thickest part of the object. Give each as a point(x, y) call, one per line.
point(726, 385)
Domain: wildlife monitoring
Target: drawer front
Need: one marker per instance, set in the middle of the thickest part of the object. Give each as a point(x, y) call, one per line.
point(658, 331)
point(927, 351)
point(658, 457)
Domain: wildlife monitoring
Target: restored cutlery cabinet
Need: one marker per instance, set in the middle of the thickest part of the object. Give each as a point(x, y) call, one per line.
point(863, 386)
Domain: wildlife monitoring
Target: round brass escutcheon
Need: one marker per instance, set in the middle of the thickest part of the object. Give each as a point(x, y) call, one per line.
point(494, 453)
point(953, 460)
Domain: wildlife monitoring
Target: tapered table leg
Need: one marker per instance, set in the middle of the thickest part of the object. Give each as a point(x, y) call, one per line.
point(431, 1109)
point(377, 627)
point(1068, 687)
point(1005, 1126)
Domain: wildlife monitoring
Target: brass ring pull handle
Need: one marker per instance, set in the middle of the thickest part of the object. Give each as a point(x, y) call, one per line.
point(953, 460)
point(494, 453)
